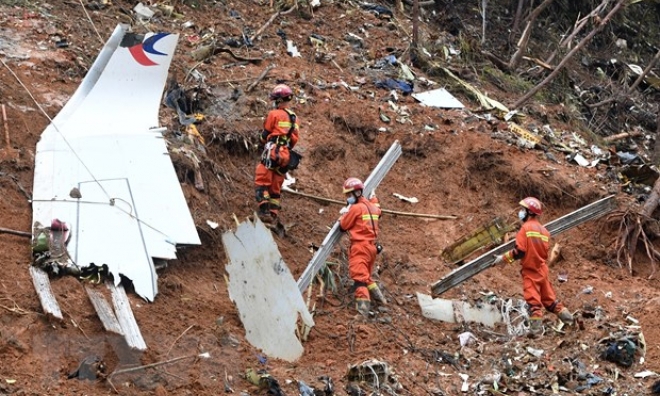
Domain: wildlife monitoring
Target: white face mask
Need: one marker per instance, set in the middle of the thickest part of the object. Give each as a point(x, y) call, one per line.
point(351, 200)
point(522, 214)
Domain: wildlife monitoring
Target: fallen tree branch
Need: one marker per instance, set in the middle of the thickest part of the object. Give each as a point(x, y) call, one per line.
point(539, 62)
point(206, 51)
point(14, 232)
point(259, 78)
point(204, 355)
point(620, 136)
point(270, 20)
point(408, 214)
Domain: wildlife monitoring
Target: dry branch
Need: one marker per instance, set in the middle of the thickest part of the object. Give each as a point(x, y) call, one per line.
point(579, 25)
point(14, 232)
point(204, 52)
point(146, 366)
point(620, 136)
point(620, 4)
point(524, 39)
point(4, 121)
point(261, 77)
point(630, 89)
point(270, 20)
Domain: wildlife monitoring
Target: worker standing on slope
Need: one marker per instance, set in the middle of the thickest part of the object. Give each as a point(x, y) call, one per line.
point(532, 245)
point(278, 138)
point(360, 220)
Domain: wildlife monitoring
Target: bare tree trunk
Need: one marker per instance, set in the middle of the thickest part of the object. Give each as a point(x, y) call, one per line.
point(656, 146)
point(516, 20)
point(415, 32)
point(484, 4)
point(620, 4)
point(524, 39)
point(652, 201)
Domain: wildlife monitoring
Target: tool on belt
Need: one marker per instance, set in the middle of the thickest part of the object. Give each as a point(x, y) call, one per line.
point(270, 157)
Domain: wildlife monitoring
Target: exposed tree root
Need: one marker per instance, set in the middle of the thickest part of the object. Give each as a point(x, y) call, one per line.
point(635, 228)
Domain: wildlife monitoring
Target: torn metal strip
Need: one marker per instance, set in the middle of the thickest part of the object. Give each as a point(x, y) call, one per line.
point(555, 227)
point(374, 179)
point(45, 292)
point(129, 326)
point(264, 291)
point(104, 310)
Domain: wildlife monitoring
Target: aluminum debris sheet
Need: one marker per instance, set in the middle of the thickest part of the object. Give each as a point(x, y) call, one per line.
point(555, 227)
point(106, 142)
point(374, 179)
point(264, 291)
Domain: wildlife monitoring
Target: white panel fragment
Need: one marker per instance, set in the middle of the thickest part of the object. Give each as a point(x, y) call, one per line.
point(438, 98)
point(457, 311)
point(264, 291)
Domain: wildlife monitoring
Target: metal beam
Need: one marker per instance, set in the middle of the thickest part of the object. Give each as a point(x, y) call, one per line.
point(555, 227)
point(377, 175)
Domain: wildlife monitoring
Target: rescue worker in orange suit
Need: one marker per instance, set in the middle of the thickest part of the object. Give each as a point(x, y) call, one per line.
point(532, 246)
point(360, 221)
point(278, 138)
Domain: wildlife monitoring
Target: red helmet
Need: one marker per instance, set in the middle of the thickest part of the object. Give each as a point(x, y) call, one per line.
point(281, 91)
point(533, 205)
point(353, 183)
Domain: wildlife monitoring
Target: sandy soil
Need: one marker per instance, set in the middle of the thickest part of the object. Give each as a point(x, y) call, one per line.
point(460, 165)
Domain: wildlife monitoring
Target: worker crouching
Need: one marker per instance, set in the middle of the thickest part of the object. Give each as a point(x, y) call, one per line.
point(531, 248)
point(360, 221)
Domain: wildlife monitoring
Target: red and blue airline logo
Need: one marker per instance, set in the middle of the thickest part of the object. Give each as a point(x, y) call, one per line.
point(140, 51)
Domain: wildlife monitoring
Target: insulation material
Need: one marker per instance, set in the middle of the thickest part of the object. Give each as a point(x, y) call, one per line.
point(264, 291)
point(106, 143)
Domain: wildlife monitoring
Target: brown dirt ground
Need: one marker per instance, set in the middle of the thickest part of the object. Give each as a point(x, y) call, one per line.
point(458, 168)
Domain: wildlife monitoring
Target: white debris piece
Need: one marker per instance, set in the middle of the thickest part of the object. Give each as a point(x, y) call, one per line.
point(401, 197)
point(264, 291)
point(440, 98)
point(212, 224)
point(457, 311)
point(292, 50)
point(644, 374)
point(465, 387)
point(466, 338)
point(143, 12)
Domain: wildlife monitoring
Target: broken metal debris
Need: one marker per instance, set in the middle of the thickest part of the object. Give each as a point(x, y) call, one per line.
point(374, 374)
point(266, 279)
point(484, 237)
point(91, 368)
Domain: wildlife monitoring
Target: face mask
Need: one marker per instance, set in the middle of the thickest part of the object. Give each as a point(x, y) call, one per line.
point(351, 200)
point(522, 215)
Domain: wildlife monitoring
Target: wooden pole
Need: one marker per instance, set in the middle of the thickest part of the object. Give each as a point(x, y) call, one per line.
point(408, 214)
point(4, 120)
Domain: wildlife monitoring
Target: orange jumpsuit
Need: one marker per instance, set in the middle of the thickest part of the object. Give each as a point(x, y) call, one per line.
point(532, 243)
point(269, 175)
point(361, 223)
